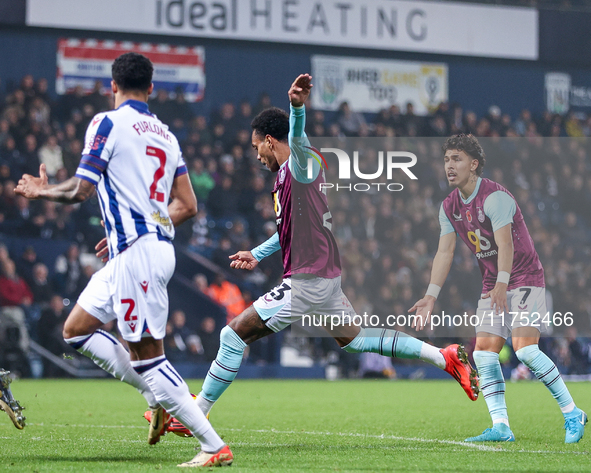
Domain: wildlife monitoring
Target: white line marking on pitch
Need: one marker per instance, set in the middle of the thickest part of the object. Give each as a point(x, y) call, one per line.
point(476, 446)
point(381, 437)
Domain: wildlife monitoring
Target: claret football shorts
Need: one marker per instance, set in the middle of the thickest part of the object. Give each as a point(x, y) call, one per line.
point(132, 289)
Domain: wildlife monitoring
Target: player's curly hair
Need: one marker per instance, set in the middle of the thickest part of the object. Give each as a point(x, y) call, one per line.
point(272, 121)
point(132, 71)
point(469, 145)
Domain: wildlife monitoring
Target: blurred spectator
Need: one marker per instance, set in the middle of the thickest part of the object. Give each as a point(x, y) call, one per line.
point(99, 102)
point(227, 295)
point(579, 353)
point(41, 287)
point(70, 277)
point(223, 202)
point(14, 336)
point(372, 365)
point(181, 343)
point(200, 283)
point(352, 123)
point(201, 180)
point(210, 340)
point(14, 291)
point(50, 154)
point(26, 263)
point(49, 333)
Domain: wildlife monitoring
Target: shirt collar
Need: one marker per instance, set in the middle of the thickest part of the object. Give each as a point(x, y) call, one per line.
point(138, 105)
point(473, 195)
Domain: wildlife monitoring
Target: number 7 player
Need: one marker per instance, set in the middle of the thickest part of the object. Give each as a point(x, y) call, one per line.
point(487, 218)
point(137, 167)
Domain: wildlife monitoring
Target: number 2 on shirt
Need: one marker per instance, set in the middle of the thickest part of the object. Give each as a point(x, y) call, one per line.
point(159, 174)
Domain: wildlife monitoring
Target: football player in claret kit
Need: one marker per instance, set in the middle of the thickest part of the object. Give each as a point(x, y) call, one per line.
point(136, 165)
point(312, 271)
point(513, 302)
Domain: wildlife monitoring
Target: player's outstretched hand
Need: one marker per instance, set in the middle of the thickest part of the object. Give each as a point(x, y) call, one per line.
point(424, 309)
point(300, 90)
point(29, 186)
point(243, 260)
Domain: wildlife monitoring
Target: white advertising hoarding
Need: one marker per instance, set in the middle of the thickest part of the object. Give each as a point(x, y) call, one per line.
point(369, 85)
point(434, 27)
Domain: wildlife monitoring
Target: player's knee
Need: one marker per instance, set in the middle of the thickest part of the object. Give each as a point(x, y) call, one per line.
point(72, 328)
point(356, 345)
point(229, 339)
point(527, 354)
point(69, 330)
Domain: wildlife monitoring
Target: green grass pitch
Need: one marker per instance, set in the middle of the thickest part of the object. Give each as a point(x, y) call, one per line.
point(286, 426)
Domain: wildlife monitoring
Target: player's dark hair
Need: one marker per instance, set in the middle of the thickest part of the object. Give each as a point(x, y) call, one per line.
point(132, 71)
point(272, 121)
point(469, 145)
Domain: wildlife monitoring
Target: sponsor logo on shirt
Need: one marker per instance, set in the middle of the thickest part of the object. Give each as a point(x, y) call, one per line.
point(481, 244)
point(159, 219)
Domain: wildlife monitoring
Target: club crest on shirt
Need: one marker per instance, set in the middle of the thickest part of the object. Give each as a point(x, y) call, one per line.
point(282, 173)
point(468, 216)
point(480, 215)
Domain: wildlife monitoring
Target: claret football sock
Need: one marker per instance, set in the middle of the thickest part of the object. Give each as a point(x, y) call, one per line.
point(395, 344)
point(172, 393)
point(546, 371)
point(223, 370)
point(106, 351)
point(492, 384)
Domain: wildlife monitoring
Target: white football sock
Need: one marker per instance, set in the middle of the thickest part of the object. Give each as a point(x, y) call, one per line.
point(106, 351)
point(173, 394)
point(204, 404)
point(432, 355)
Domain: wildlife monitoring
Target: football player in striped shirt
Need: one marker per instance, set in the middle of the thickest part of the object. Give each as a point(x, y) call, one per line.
point(135, 164)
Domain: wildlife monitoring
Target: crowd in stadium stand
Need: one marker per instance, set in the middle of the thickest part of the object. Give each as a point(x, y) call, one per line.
point(386, 240)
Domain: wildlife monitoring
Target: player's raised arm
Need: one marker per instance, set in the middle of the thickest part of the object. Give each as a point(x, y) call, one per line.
point(183, 205)
point(299, 91)
point(441, 266)
point(298, 141)
point(72, 191)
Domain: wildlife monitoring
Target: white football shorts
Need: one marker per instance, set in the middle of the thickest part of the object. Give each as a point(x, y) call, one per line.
point(527, 308)
point(300, 295)
point(132, 289)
